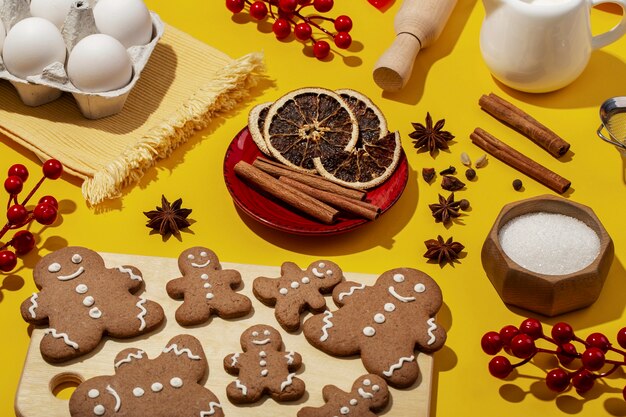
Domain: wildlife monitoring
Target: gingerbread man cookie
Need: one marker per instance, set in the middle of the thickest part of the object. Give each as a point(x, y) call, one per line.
point(369, 393)
point(166, 386)
point(81, 300)
point(206, 289)
point(385, 323)
point(264, 367)
point(296, 290)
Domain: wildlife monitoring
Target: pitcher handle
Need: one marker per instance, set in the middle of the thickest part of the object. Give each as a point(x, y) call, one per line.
point(616, 32)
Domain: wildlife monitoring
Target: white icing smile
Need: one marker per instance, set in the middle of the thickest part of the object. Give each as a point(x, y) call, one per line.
point(74, 275)
point(365, 394)
point(261, 342)
point(195, 265)
point(393, 292)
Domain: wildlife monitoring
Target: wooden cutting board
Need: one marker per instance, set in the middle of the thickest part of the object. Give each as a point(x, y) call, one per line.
point(219, 338)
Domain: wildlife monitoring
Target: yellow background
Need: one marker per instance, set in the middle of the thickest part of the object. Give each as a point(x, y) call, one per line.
point(447, 81)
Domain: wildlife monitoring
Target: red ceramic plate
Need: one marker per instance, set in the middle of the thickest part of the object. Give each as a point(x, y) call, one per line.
point(277, 215)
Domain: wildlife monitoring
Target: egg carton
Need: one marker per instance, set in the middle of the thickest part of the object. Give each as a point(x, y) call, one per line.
point(46, 87)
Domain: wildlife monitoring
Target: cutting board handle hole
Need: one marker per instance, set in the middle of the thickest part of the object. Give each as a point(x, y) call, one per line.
point(63, 385)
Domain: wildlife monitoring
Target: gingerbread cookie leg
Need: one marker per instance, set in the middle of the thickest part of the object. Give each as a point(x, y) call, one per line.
point(192, 313)
point(57, 346)
point(243, 392)
point(397, 364)
point(290, 389)
point(236, 305)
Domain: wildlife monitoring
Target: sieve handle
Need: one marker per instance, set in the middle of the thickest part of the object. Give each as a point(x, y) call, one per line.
point(610, 139)
point(616, 32)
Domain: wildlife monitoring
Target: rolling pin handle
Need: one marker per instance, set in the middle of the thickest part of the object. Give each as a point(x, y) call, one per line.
point(394, 67)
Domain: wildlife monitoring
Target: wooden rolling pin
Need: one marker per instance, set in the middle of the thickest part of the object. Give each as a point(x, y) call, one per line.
point(418, 24)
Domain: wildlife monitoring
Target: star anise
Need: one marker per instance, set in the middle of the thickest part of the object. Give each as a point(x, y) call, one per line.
point(443, 251)
point(169, 218)
point(446, 210)
point(430, 137)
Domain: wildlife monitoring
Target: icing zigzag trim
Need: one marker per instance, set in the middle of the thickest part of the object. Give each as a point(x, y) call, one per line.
point(342, 295)
point(179, 352)
point(289, 357)
point(398, 365)
point(242, 387)
point(129, 358)
point(64, 336)
point(212, 406)
point(287, 382)
point(129, 271)
point(327, 326)
point(431, 328)
point(34, 305)
point(142, 314)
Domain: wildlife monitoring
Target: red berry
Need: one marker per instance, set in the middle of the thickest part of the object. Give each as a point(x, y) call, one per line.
point(258, 10)
point(583, 381)
point(23, 242)
point(593, 359)
point(343, 40)
point(303, 31)
point(500, 367)
point(562, 333)
point(507, 333)
point(599, 340)
point(8, 260)
point(621, 337)
point(566, 353)
point(523, 346)
point(288, 6)
point(20, 171)
point(491, 343)
point(17, 214)
point(52, 169)
point(235, 6)
point(557, 380)
point(321, 49)
point(13, 184)
point(531, 327)
point(45, 214)
point(343, 24)
point(323, 6)
point(48, 199)
point(281, 28)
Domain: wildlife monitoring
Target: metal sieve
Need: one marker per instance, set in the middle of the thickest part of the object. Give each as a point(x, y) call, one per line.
point(613, 117)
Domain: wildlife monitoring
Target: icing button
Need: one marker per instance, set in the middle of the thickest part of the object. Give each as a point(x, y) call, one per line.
point(262, 354)
point(95, 313)
point(353, 401)
point(344, 410)
point(176, 382)
point(283, 291)
point(207, 285)
point(379, 318)
point(204, 276)
point(88, 301)
point(264, 372)
point(295, 285)
point(81, 288)
point(262, 363)
point(138, 392)
point(306, 280)
point(156, 387)
point(210, 295)
point(369, 331)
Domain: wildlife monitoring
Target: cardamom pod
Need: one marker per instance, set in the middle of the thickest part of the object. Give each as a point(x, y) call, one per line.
point(481, 161)
point(465, 159)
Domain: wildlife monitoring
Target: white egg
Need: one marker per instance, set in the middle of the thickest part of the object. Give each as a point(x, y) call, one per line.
point(53, 10)
point(2, 33)
point(99, 63)
point(128, 21)
point(31, 45)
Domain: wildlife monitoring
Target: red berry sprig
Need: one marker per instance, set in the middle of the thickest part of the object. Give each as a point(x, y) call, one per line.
point(520, 342)
point(19, 216)
point(288, 16)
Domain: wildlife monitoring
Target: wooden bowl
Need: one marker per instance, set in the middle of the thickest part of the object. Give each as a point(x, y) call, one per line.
point(549, 295)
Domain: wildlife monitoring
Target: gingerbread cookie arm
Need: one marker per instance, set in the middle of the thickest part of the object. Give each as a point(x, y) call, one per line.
point(288, 316)
point(321, 332)
point(431, 337)
point(232, 277)
point(34, 308)
point(130, 276)
point(265, 290)
point(232, 364)
point(330, 391)
point(342, 293)
point(294, 360)
point(188, 357)
point(143, 317)
point(316, 302)
point(176, 288)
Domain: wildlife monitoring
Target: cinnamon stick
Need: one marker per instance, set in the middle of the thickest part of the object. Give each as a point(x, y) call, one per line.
point(295, 198)
point(314, 181)
point(524, 123)
point(360, 208)
point(519, 161)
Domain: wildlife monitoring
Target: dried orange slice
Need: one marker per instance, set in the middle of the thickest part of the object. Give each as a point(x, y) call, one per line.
point(256, 122)
point(364, 167)
point(308, 123)
point(372, 123)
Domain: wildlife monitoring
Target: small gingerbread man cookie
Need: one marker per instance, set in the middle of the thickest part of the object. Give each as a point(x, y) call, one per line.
point(264, 367)
point(162, 387)
point(81, 300)
point(386, 323)
point(369, 393)
point(206, 289)
point(296, 290)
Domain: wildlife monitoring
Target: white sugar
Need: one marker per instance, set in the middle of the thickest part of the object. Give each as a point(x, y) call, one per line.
point(548, 243)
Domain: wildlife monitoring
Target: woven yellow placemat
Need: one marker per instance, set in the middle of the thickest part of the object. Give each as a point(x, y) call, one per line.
point(185, 83)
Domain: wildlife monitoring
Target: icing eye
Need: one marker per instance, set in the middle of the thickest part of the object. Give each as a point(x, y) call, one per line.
point(255, 334)
point(191, 257)
point(203, 254)
point(322, 265)
point(76, 258)
point(367, 382)
point(329, 272)
point(99, 410)
point(398, 278)
point(375, 388)
point(93, 393)
point(389, 307)
point(266, 333)
point(419, 288)
point(55, 267)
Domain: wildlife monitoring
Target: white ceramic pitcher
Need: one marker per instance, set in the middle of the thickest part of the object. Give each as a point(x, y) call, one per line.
point(541, 45)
